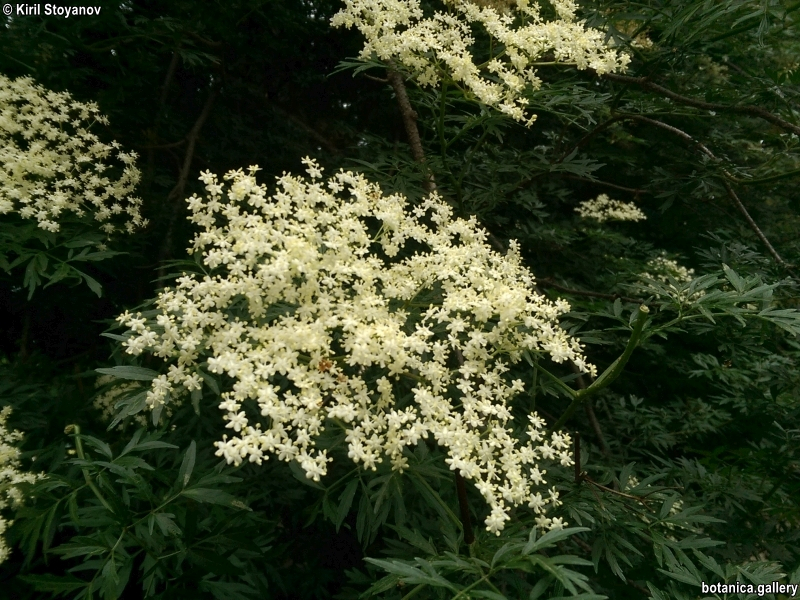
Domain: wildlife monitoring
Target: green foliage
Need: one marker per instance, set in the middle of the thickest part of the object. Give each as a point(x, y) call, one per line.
point(688, 460)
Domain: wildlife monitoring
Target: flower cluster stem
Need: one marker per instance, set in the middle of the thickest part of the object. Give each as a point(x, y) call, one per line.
point(86, 476)
point(610, 374)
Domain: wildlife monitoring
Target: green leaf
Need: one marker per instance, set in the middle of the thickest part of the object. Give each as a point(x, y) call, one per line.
point(213, 562)
point(413, 575)
point(486, 594)
point(549, 538)
point(682, 575)
point(212, 496)
point(152, 445)
point(505, 549)
point(129, 372)
point(79, 243)
point(132, 443)
point(210, 381)
point(166, 524)
point(187, 465)
point(93, 284)
point(737, 282)
point(99, 445)
point(114, 336)
point(54, 583)
point(345, 502)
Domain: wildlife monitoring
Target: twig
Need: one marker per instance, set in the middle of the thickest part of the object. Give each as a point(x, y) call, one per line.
point(754, 226)
point(622, 188)
point(329, 146)
point(204, 41)
point(498, 245)
point(373, 78)
point(756, 111)
point(587, 407)
point(609, 375)
point(177, 192)
point(731, 193)
point(585, 139)
point(173, 64)
point(679, 132)
point(191, 138)
point(587, 479)
point(554, 285)
point(409, 117)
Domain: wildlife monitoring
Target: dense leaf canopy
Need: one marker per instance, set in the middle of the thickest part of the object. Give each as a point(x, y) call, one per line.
point(686, 445)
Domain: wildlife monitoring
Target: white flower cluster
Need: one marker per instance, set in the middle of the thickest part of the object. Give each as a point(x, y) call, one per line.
point(51, 164)
point(318, 321)
point(603, 209)
point(662, 268)
point(10, 476)
point(105, 401)
point(666, 270)
point(439, 47)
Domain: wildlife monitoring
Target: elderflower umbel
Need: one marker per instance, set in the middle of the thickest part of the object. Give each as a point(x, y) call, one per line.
point(662, 268)
point(316, 321)
point(51, 164)
point(10, 476)
point(675, 276)
point(440, 46)
point(603, 209)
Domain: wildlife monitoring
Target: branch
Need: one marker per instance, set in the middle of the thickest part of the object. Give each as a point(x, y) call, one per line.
point(635, 191)
point(585, 139)
point(756, 111)
point(610, 374)
point(754, 226)
point(731, 193)
point(373, 78)
point(409, 117)
point(191, 138)
point(680, 133)
point(552, 284)
point(173, 64)
point(329, 146)
point(177, 192)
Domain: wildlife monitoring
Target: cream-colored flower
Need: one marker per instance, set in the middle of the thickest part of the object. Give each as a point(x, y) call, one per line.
point(603, 209)
point(50, 164)
point(440, 46)
point(667, 271)
point(662, 268)
point(10, 476)
point(318, 320)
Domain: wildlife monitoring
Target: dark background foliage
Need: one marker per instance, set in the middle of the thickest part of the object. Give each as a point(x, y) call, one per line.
point(702, 129)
